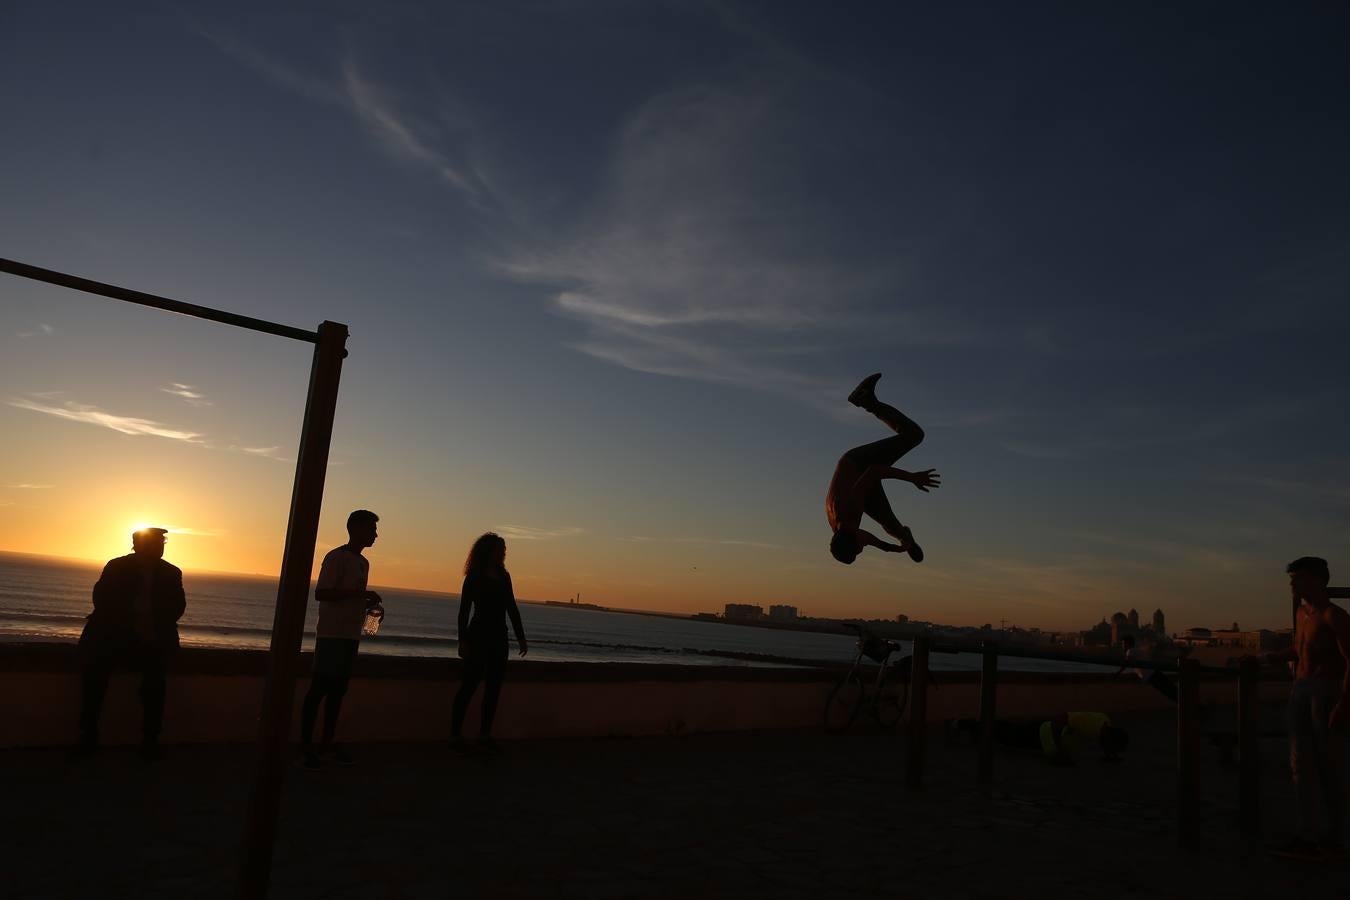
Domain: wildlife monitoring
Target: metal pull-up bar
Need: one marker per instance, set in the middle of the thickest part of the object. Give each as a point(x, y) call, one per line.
point(297, 561)
point(74, 282)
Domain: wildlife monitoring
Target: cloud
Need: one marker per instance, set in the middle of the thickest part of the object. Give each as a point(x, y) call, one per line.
point(92, 415)
point(717, 238)
point(30, 487)
point(267, 452)
point(43, 330)
point(398, 137)
point(372, 107)
point(524, 533)
point(726, 542)
point(314, 89)
point(187, 392)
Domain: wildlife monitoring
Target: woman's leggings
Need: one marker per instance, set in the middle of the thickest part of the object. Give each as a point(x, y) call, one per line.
point(486, 664)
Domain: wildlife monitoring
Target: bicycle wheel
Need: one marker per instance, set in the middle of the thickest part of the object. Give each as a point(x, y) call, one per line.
point(892, 697)
point(844, 703)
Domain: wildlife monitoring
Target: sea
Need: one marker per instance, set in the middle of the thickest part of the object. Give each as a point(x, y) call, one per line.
point(47, 599)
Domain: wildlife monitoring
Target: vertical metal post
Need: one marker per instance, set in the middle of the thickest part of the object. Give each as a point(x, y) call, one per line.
point(918, 715)
point(292, 597)
point(1188, 797)
point(988, 704)
point(1249, 762)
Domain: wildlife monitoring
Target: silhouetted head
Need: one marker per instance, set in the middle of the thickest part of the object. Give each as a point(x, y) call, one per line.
point(1114, 740)
point(149, 542)
point(1308, 575)
point(361, 527)
point(844, 547)
point(488, 554)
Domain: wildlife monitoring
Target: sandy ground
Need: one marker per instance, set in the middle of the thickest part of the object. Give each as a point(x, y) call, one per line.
point(768, 815)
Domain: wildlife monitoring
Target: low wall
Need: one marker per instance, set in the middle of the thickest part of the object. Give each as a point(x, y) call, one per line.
point(214, 697)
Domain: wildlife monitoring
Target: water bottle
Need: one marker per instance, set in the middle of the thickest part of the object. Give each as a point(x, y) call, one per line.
point(374, 616)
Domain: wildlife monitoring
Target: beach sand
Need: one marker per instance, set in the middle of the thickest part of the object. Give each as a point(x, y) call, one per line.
point(744, 815)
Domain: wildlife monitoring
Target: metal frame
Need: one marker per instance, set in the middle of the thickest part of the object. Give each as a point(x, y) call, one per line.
point(1188, 705)
point(297, 561)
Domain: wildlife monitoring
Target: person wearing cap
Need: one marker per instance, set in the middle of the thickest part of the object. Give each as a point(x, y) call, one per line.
point(1319, 707)
point(138, 601)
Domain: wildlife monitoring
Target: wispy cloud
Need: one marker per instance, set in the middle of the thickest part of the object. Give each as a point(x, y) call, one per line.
point(92, 415)
point(725, 542)
point(192, 532)
point(1198, 556)
point(373, 107)
point(42, 330)
point(1333, 489)
point(314, 89)
point(267, 452)
point(188, 393)
point(395, 134)
point(25, 486)
point(703, 253)
point(525, 533)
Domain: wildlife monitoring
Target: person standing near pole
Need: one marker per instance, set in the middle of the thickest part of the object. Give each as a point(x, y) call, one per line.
point(1319, 708)
point(343, 603)
point(138, 601)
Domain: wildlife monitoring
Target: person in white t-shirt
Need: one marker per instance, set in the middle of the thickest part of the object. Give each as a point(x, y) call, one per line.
point(343, 602)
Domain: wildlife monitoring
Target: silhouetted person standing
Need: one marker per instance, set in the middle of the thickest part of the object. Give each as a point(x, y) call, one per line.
point(487, 597)
point(856, 488)
point(1319, 707)
point(343, 601)
point(138, 601)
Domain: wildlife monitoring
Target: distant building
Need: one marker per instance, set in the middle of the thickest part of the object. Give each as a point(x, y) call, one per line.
point(743, 612)
point(781, 612)
point(1096, 635)
point(1120, 626)
point(1159, 624)
point(902, 619)
point(1232, 638)
point(1133, 618)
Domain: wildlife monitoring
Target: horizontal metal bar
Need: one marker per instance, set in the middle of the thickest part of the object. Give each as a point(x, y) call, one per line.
point(23, 270)
point(950, 645)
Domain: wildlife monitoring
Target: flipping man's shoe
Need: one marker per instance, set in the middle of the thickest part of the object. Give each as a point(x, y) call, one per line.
point(912, 546)
point(864, 395)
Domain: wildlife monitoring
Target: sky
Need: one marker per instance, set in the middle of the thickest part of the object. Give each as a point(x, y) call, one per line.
point(611, 269)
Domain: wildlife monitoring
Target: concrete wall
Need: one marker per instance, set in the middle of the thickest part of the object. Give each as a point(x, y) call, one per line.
point(214, 697)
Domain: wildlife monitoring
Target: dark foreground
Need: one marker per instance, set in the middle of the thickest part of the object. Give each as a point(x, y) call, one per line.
point(740, 816)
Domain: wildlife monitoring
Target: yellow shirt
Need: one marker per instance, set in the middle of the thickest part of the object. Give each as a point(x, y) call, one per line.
point(1083, 728)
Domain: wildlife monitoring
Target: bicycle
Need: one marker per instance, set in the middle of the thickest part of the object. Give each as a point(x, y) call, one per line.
point(887, 700)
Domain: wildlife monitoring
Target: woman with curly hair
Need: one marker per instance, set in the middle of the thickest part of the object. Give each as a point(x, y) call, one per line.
point(485, 601)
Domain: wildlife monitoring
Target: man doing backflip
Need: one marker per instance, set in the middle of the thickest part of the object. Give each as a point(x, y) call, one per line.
point(856, 488)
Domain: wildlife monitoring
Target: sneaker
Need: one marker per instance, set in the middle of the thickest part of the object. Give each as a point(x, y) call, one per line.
point(310, 761)
point(864, 394)
point(341, 756)
point(912, 546)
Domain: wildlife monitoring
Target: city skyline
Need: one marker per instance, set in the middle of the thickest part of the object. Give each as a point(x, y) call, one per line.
point(615, 319)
